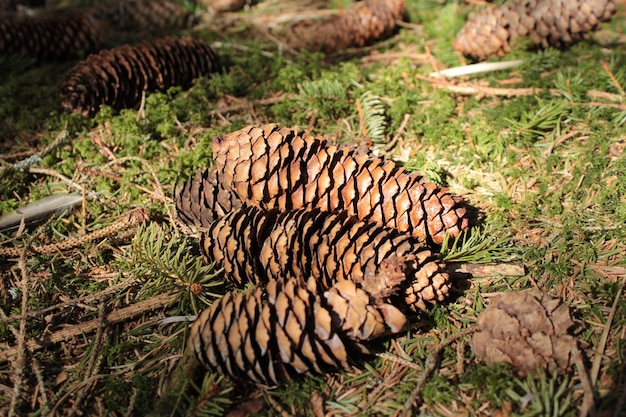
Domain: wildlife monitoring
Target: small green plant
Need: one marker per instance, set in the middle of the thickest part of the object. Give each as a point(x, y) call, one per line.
point(327, 99)
point(167, 262)
point(374, 117)
point(478, 245)
point(547, 395)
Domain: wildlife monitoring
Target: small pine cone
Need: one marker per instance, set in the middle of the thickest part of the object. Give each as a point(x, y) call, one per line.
point(547, 23)
point(289, 328)
point(359, 26)
point(203, 199)
point(144, 15)
point(259, 246)
point(66, 36)
point(273, 167)
point(527, 329)
point(118, 77)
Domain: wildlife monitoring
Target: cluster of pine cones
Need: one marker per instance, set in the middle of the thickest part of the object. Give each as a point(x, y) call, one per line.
point(336, 241)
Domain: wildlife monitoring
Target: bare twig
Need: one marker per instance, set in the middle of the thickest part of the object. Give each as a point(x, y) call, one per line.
point(20, 361)
point(430, 367)
point(113, 317)
point(36, 367)
point(616, 83)
point(113, 289)
point(599, 351)
point(502, 269)
point(53, 173)
point(475, 69)
point(588, 405)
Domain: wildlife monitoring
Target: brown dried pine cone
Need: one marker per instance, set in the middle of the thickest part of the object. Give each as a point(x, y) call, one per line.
point(66, 36)
point(118, 77)
point(273, 167)
point(290, 328)
point(143, 15)
point(258, 246)
point(546, 22)
point(359, 26)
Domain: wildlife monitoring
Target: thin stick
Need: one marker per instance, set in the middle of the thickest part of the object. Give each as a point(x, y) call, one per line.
point(606, 68)
point(589, 405)
point(53, 173)
point(117, 316)
point(359, 110)
point(475, 69)
point(36, 367)
point(597, 360)
point(160, 194)
point(21, 340)
point(430, 367)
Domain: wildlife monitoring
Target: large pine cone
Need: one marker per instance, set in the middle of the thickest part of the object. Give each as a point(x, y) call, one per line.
point(290, 328)
point(66, 36)
point(143, 15)
point(259, 246)
point(361, 25)
point(546, 22)
point(273, 167)
point(118, 77)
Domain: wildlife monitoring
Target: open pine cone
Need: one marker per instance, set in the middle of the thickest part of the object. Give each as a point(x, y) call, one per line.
point(273, 167)
point(526, 329)
point(546, 22)
point(290, 328)
point(259, 246)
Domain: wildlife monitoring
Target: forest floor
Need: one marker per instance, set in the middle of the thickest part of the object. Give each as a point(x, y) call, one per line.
point(538, 148)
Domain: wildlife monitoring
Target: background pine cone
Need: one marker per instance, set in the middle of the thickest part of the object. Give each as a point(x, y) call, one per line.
point(143, 15)
point(547, 23)
point(274, 167)
point(259, 246)
point(361, 25)
point(66, 36)
point(288, 329)
point(118, 77)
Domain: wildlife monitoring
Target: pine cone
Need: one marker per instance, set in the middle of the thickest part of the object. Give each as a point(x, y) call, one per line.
point(218, 6)
point(288, 329)
point(526, 329)
point(66, 36)
point(273, 167)
point(547, 23)
point(203, 199)
point(119, 76)
point(144, 15)
point(361, 25)
point(259, 246)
